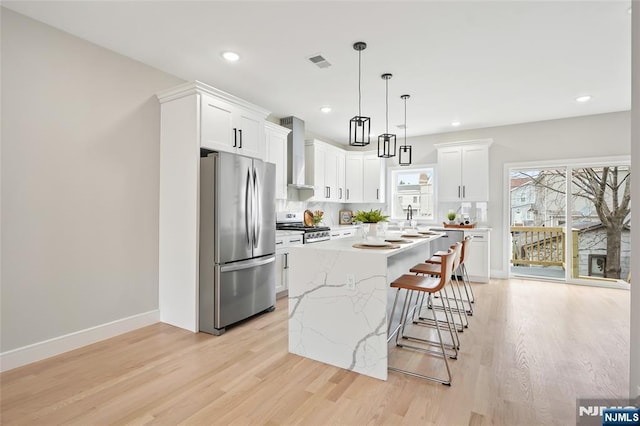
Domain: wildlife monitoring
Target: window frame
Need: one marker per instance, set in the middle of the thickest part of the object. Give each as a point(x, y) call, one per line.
point(391, 171)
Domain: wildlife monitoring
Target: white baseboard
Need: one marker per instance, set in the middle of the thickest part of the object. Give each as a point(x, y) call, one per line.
point(499, 274)
point(48, 348)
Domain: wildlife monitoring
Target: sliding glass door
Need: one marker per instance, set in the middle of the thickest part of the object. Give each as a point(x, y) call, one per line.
point(582, 238)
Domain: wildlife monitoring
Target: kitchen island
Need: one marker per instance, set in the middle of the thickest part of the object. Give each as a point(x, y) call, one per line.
point(339, 298)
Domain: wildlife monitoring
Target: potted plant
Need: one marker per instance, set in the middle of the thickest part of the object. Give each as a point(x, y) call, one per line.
point(372, 217)
point(451, 216)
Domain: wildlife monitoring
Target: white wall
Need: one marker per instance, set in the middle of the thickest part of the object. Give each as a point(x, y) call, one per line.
point(634, 358)
point(587, 136)
point(80, 176)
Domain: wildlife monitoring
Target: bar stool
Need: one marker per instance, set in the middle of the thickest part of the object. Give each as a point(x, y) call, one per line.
point(430, 286)
point(461, 270)
point(433, 268)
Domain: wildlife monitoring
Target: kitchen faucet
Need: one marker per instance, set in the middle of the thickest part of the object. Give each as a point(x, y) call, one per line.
point(409, 212)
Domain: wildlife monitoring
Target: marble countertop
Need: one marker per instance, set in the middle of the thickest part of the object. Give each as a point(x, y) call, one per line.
point(346, 245)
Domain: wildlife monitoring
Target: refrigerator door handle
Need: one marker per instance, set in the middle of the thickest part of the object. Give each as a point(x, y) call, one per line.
point(246, 264)
point(248, 216)
point(256, 189)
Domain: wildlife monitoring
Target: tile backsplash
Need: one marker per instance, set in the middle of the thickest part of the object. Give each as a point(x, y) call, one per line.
point(331, 210)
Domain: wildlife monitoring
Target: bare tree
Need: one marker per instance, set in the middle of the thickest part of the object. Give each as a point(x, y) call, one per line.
point(609, 190)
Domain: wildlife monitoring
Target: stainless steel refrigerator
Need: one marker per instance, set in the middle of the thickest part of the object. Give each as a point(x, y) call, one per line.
point(237, 240)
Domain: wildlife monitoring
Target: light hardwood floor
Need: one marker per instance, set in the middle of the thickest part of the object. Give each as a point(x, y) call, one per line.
point(532, 348)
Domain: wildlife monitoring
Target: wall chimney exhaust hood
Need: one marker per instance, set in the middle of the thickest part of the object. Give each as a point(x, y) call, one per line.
point(295, 153)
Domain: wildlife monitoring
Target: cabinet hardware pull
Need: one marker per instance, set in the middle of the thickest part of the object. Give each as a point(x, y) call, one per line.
point(279, 242)
point(235, 137)
point(464, 191)
point(458, 191)
point(347, 193)
point(377, 193)
point(286, 261)
point(340, 192)
point(240, 131)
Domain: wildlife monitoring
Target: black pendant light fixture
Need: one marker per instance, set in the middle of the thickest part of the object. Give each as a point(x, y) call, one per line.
point(387, 141)
point(359, 126)
point(404, 152)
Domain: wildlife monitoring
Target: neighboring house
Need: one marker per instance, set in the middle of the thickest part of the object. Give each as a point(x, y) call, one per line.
point(592, 249)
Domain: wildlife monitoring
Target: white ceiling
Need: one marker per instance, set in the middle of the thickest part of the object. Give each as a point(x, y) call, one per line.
point(482, 63)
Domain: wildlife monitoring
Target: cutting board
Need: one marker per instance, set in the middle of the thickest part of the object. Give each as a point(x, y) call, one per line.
point(308, 218)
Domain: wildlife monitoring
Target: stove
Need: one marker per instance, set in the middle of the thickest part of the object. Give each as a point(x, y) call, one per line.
point(294, 221)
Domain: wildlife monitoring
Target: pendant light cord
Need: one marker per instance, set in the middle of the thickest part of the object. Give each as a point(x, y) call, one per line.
point(405, 121)
point(359, 89)
point(387, 105)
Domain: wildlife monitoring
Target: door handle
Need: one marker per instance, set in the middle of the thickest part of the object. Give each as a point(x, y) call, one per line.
point(256, 208)
point(464, 191)
point(235, 137)
point(347, 193)
point(286, 261)
point(247, 211)
point(377, 193)
point(240, 131)
point(459, 191)
point(340, 192)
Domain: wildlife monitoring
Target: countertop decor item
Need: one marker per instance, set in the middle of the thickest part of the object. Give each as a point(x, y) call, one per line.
point(346, 217)
point(372, 216)
point(317, 217)
point(459, 225)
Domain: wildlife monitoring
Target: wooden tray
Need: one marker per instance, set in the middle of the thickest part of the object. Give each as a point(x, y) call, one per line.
point(453, 225)
point(362, 246)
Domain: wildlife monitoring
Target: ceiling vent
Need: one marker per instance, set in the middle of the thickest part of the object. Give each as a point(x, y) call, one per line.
point(319, 61)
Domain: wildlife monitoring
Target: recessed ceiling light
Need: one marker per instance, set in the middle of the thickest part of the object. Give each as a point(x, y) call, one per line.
point(585, 98)
point(231, 56)
point(326, 109)
point(455, 123)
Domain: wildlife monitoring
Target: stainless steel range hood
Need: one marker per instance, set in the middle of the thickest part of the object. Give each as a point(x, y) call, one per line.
point(295, 153)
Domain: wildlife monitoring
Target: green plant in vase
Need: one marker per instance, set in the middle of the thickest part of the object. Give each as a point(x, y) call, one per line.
point(372, 216)
point(451, 216)
point(317, 217)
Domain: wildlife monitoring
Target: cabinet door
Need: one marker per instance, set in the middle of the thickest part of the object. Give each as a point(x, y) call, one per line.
point(340, 192)
point(373, 179)
point(449, 174)
point(216, 126)
point(315, 170)
point(276, 146)
point(353, 178)
point(281, 271)
point(249, 130)
point(477, 261)
point(475, 173)
point(331, 174)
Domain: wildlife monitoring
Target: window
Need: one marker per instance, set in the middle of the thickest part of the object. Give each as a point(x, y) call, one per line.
point(413, 187)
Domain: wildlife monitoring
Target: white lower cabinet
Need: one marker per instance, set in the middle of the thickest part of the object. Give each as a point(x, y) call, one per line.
point(478, 257)
point(342, 233)
point(283, 242)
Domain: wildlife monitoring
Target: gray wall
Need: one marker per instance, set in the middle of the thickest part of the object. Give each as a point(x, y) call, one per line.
point(634, 357)
point(80, 139)
point(587, 136)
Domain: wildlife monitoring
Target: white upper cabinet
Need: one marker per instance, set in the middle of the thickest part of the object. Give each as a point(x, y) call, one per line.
point(276, 147)
point(353, 177)
point(373, 178)
point(341, 165)
point(231, 127)
point(463, 171)
point(325, 171)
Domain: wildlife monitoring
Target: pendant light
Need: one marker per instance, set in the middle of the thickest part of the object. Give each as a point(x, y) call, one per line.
point(404, 152)
point(387, 141)
point(359, 126)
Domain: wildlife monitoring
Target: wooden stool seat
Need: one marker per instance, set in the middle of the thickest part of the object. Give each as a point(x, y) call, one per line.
point(416, 283)
point(427, 269)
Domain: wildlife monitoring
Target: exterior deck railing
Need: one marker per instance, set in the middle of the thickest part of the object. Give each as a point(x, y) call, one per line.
point(538, 245)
